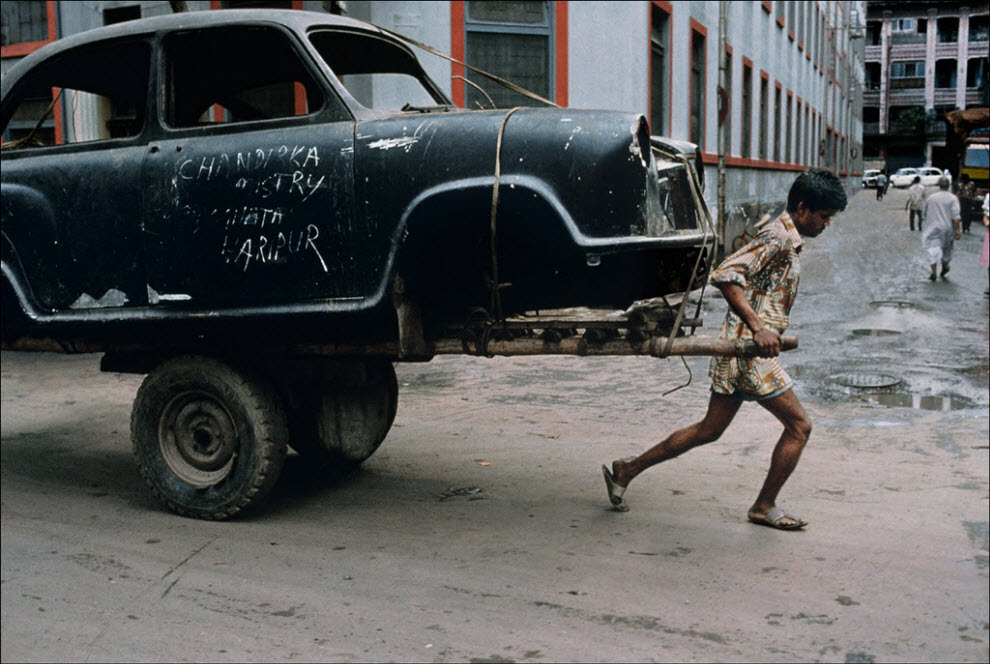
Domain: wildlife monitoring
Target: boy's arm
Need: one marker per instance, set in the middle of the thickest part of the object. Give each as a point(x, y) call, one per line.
point(767, 339)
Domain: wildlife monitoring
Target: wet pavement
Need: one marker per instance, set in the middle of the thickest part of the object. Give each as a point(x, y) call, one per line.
point(480, 531)
point(868, 307)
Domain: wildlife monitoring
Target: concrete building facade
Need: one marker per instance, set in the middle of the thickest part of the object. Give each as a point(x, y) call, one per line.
point(923, 59)
point(789, 96)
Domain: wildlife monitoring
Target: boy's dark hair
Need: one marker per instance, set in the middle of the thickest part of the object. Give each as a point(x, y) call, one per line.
point(818, 189)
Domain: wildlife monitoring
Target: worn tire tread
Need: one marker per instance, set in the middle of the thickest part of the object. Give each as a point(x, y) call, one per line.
point(259, 396)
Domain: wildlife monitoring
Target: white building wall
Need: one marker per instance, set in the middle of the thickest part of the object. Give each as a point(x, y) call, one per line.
point(609, 44)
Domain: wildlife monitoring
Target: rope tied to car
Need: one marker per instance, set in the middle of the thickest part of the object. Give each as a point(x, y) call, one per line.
point(496, 286)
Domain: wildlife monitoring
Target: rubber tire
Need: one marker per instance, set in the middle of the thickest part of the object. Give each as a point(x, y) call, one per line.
point(253, 412)
point(340, 417)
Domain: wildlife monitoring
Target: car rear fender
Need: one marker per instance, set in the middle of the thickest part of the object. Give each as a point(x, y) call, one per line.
point(442, 247)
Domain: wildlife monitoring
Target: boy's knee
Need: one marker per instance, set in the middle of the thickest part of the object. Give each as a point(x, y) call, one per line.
point(705, 434)
point(802, 427)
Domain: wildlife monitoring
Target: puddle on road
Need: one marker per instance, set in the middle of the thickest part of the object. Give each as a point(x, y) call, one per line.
point(874, 333)
point(919, 402)
point(896, 304)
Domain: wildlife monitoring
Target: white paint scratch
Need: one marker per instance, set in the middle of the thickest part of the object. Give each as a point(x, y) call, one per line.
point(389, 143)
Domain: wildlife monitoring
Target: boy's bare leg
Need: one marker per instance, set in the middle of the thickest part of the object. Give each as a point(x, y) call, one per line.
point(721, 410)
point(797, 429)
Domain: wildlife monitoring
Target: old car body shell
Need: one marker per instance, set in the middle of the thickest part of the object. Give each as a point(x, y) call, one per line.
point(131, 238)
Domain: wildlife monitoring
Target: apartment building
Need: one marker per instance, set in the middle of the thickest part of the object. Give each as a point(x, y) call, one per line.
point(923, 59)
point(789, 97)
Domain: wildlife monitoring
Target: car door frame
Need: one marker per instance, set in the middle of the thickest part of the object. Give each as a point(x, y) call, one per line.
point(171, 145)
point(88, 255)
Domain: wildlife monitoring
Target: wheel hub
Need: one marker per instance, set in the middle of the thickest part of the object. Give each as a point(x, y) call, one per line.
point(198, 438)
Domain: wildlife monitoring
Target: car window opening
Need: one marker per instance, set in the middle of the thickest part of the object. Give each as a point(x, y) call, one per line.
point(101, 89)
point(377, 73)
point(254, 75)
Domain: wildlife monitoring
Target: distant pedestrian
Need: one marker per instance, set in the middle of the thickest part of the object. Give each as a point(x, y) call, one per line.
point(759, 282)
point(985, 256)
point(916, 201)
point(942, 215)
point(881, 185)
point(969, 201)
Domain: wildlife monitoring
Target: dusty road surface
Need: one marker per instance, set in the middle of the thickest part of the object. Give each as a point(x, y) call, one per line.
point(480, 531)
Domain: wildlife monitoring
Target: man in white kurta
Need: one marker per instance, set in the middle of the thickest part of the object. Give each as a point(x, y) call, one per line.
point(942, 219)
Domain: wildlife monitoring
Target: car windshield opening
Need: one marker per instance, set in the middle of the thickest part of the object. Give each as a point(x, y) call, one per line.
point(378, 73)
point(677, 205)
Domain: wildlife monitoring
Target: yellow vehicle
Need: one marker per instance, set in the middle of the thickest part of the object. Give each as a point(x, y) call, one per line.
point(968, 139)
point(976, 161)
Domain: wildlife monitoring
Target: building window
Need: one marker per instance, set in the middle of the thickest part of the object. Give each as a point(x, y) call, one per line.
point(747, 110)
point(23, 22)
point(764, 119)
point(511, 40)
point(776, 125)
point(787, 128)
point(872, 81)
point(907, 69)
point(945, 73)
point(659, 70)
point(979, 28)
point(781, 7)
point(902, 25)
point(807, 135)
point(797, 130)
point(976, 73)
point(948, 30)
point(697, 128)
point(820, 135)
point(116, 15)
point(874, 31)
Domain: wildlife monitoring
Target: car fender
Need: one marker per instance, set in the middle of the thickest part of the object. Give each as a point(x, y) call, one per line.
point(30, 248)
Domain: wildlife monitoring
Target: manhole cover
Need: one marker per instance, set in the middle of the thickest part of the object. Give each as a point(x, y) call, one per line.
point(866, 380)
point(874, 333)
point(899, 304)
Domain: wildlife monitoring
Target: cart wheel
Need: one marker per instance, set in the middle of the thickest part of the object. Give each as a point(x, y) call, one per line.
point(342, 415)
point(209, 439)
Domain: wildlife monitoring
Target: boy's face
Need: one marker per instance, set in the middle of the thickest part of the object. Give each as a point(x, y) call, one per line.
point(811, 224)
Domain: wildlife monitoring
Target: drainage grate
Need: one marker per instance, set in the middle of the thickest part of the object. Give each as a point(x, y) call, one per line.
point(866, 380)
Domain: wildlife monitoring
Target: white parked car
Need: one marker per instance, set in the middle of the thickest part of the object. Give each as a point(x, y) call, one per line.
point(870, 178)
point(904, 177)
point(929, 175)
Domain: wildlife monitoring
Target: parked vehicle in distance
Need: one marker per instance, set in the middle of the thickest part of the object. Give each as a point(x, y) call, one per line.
point(241, 203)
point(870, 178)
point(967, 140)
point(930, 175)
point(904, 177)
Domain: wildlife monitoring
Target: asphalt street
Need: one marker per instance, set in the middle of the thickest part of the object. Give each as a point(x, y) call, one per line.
point(480, 531)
